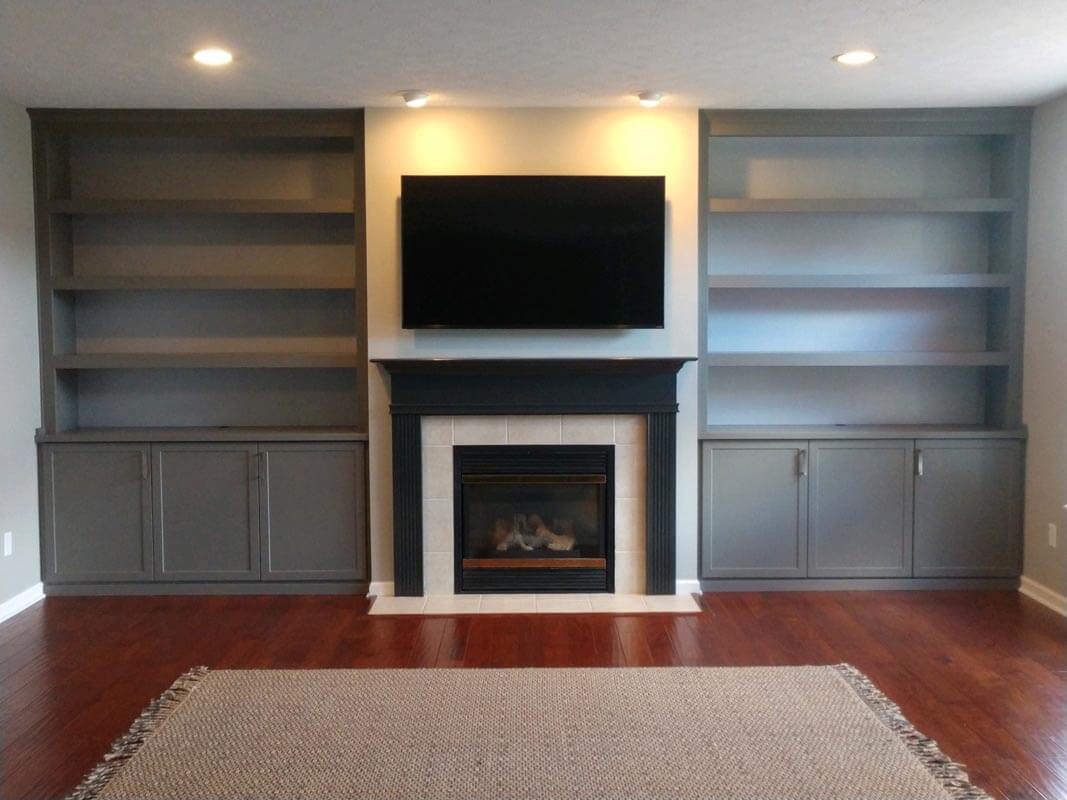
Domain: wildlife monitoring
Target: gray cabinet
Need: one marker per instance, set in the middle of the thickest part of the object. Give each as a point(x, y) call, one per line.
point(755, 515)
point(206, 512)
point(968, 508)
point(96, 513)
point(861, 506)
point(313, 523)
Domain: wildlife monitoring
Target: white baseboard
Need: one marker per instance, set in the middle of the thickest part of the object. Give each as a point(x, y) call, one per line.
point(21, 601)
point(1044, 595)
point(380, 588)
point(687, 586)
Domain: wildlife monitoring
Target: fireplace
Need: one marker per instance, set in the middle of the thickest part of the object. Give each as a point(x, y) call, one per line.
point(534, 518)
point(422, 387)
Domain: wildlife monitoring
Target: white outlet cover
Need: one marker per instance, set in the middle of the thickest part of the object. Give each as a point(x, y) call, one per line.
point(9, 543)
point(1052, 535)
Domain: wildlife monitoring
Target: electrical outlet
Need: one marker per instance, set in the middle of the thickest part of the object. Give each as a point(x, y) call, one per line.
point(9, 543)
point(1052, 535)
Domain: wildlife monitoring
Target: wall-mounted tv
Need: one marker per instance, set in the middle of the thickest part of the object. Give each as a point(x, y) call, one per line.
point(549, 252)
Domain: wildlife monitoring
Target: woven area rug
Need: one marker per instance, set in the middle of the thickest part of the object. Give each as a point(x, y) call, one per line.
point(819, 733)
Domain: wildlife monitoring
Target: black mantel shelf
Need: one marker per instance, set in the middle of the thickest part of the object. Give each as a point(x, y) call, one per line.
point(487, 365)
point(533, 385)
point(465, 386)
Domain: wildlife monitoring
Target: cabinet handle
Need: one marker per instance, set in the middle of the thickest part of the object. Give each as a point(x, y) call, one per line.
point(263, 465)
point(919, 463)
point(802, 463)
point(144, 466)
point(253, 466)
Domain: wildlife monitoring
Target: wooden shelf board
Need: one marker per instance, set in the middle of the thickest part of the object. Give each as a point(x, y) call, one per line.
point(291, 360)
point(887, 358)
point(110, 205)
point(200, 282)
point(774, 432)
point(899, 205)
point(207, 434)
point(974, 280)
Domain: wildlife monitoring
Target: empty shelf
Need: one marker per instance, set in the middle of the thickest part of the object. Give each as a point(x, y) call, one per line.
point(979, 280)
point(108, 205)
point(864, 205)
point(887, 358)
point(205, 360)
point(79, 283)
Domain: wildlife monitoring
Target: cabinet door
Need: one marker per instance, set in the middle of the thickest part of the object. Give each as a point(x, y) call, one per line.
point(313, 511)
point(96, 513)
point(968, 508)
point(861, 506)
point(754, 519)
point(206, 509)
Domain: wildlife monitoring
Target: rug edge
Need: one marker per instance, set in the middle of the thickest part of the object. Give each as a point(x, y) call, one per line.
point(949, 774)
point(124, 748)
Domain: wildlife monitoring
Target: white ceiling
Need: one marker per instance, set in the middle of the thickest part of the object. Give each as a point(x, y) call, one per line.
point(714, 53)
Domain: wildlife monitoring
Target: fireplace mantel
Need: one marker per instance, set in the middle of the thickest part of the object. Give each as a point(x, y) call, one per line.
point(447, 386)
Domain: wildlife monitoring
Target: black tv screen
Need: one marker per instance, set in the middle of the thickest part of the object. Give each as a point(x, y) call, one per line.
point(532, 251)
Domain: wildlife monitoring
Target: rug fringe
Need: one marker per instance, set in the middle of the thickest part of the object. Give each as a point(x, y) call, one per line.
point(123, 748)
point(947, 772)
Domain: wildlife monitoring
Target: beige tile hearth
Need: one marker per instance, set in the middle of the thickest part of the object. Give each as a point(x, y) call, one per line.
point(618, 603)
point(398, 605)
point(537, 604)
point(508, 604)
point(453, 604)
point(563, 604)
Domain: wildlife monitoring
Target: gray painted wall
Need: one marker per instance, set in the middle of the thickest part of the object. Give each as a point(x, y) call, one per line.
point(20, 410)
point(1045, 382)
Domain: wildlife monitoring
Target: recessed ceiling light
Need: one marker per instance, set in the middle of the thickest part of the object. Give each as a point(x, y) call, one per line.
point(649, 99)
point(415, 99)
point(855, 58)
point(213, 57)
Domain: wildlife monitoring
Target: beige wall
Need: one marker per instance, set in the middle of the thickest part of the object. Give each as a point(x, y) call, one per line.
point(1045, 382)
point(20, 391)
point(531, 141)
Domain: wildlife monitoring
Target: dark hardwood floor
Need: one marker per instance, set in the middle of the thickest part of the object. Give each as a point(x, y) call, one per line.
point(984, 673)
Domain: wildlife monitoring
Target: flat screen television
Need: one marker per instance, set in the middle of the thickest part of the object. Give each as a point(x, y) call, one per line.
point(549, 252)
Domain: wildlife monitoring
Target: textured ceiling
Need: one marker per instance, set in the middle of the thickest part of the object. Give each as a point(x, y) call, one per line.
point(715, 53)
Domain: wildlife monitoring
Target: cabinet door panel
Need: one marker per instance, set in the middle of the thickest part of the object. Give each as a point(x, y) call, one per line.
point(313, 512)
point(861, 507)
point(754, 510)
point(96, 513)
point(968, 509)
point(206, 504)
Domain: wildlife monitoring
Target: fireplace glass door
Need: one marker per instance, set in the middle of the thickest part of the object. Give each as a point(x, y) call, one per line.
point(555, 519)
point(534, 518)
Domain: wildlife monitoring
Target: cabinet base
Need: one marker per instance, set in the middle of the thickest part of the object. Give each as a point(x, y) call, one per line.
point(853, 584)
point(91, 589)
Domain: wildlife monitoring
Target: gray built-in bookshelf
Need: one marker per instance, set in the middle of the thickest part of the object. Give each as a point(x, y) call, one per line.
point(862, 278)
point(202, 288)
point(201, 270)
point(863, 269)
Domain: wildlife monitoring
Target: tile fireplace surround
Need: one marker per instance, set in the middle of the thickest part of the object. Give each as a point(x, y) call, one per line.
point(439, 403)
point(439, 434)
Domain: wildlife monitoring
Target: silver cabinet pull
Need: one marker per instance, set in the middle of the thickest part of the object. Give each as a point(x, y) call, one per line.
point(253, 466)
point(919, 463)
point(802, 463)
point(144, 466)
